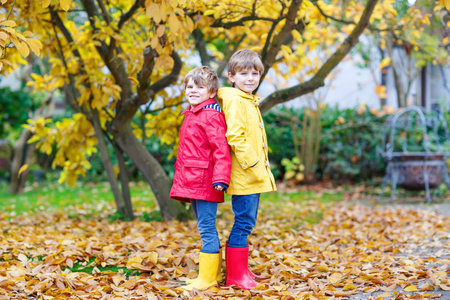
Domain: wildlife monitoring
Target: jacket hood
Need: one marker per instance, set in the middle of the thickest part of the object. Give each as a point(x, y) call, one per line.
point(227, 92)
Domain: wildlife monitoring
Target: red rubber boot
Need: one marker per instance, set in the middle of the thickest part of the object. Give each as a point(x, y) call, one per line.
point(237, 268)
point(250, 273)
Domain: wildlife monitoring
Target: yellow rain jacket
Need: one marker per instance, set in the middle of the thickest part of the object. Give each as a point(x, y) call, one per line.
point(247, 138)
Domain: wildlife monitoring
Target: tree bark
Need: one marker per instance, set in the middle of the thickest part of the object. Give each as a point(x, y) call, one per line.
point(23, 153)
point(124, 182)
point(401, 102)
point(318, 80)
point(107, 163)
point(153, 173)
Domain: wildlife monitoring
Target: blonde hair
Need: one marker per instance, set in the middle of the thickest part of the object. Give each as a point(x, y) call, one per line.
point(203, 76)
point(245, 59)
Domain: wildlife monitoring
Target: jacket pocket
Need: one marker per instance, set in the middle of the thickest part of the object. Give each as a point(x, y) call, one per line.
point(255, 174)
point(195, 172)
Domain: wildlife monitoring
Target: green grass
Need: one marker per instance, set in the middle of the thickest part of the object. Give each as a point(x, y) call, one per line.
point(96, 199)
point(86, 199)
point(86, 268)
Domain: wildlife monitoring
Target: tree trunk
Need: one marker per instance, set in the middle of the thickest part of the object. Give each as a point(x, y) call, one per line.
point(23, 153)
point(397, 78)
point(124, 182)
point(107, 163)
point(153, 173)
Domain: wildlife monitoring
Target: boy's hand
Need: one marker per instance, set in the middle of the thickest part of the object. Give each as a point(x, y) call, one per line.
point(218, 187)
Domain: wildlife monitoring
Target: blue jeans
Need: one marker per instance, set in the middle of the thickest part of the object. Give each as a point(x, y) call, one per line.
point(245, 208)
point(205, 213)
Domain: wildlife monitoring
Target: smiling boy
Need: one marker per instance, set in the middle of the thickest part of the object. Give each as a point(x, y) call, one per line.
point(250, 168)
point(202, 170)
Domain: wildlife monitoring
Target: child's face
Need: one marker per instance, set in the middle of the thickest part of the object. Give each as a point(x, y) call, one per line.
point(245, 80)
point(196, 94)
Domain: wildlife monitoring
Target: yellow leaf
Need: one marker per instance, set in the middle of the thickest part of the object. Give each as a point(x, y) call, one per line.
point(299, 176)
point(22, 169)
point(16, 42)
point(442, 274)
point(279, 288)
point(348, 287)
point(3, 35)
point(24, 50)
point(9, 23)
point(289, 174)
point(385, 62)
point(173, 3)
point(35, 46)
point(46, 3)
point(209, 12)
point(170, 292)
point(65, 4)
point(160, 31)
point(134, 260)
point(28, 34)
point(4, 1)
point(116, 169)
point(174, 23)
point(323, 268)
point(190, 24)
point(297, 35)
point(381, 91)
point(411, 288)
point(335, 278)
point(152, 257)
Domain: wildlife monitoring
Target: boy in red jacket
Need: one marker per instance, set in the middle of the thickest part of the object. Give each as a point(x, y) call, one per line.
point(202, 170)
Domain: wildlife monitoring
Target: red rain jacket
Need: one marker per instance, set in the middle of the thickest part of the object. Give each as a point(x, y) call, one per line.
point(203, 155)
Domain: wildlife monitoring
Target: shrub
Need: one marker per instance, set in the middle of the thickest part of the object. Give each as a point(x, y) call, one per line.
point(350, 142)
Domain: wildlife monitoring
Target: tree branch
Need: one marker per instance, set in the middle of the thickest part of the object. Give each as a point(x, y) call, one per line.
point(115, 64)
point(348, 22)
point(279, 40)
point(104, 11)
point(144, 75)
point(130, 13)
point(145, 91)
point(228, 54)
point(318, 80)
point(169, 79)
point(240, 22)
point(201, 47)
point(270, 33)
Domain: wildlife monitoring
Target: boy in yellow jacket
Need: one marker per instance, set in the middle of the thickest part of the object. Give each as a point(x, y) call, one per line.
point(250, 168)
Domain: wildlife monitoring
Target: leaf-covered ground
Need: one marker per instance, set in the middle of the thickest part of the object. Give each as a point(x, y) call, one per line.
point(353, 252)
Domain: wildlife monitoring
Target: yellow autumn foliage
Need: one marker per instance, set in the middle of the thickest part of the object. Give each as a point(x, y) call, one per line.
point(83, 52)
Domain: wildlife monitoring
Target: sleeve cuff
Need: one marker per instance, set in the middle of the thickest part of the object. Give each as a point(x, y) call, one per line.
point(225, 186)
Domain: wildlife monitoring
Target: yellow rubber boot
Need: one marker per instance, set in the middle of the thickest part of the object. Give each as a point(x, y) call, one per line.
point(219, 268)
point(207, 275)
